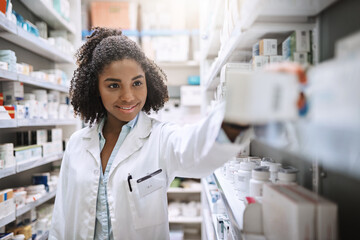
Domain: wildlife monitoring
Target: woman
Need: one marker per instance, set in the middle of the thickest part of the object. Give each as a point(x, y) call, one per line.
point(115, 173)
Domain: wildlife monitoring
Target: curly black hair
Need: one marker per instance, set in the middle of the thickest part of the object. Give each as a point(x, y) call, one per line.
point(102, 47)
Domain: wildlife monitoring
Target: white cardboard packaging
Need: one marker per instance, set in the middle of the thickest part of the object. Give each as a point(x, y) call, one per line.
point(325, 213)
point(268, 47)
point(276, 59)
point(258, 62)
point(301, 57)
point(302, 39)
point(287, 215)
point(260, 97)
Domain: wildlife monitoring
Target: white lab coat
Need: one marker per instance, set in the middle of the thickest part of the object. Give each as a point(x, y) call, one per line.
point(189, 151)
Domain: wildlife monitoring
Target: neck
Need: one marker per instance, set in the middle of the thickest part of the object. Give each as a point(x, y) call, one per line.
point(113, 125)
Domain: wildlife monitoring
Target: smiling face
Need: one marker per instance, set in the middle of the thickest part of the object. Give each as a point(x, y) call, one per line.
point(123, 91)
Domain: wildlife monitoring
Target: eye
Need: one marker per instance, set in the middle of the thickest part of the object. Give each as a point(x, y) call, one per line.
point(137, 83)
point(114, 85)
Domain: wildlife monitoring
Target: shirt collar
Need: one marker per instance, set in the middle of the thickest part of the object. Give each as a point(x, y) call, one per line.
point(131, 124)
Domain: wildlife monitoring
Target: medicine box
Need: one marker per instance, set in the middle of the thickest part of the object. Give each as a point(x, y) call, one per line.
point(28, 153)
point(275, 59)
point(325, 213)
point(258, 62)
point(12, 91)
point(268, 47)
point(302, 41)
point(301, 57)
point(54, 134)
point(287, 215)
point(262, 97)
point(39, 136)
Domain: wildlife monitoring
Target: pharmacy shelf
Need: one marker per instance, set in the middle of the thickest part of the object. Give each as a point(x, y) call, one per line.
point(243, 42)
point(38, 83)
point(20, 211)
point(7, 171)
point(37, 45)
point(6, 75)
point(186, 220)
point(8, 219)
point(234, 206)
point(23, 166)
point(280, 11)
point(209, 225)
point(6, 25)
point(183, 190)
point(12, 123)
point(45, 11)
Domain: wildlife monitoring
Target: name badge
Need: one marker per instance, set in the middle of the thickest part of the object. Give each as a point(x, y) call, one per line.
point(151, 182)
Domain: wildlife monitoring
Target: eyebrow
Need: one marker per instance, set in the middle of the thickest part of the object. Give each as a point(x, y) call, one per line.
point(119, 80)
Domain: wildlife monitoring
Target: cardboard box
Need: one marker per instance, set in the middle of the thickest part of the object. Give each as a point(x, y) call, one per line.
point(276, 59)
point(286, 215)
point(114, 15)
point(12, 91)
point(258, 62)
point(302, 41)
point(256, 49)
point(301, 57)
point(325, 213)
point(268, 47)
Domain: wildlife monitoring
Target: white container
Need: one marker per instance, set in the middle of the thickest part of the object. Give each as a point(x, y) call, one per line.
point(259, 176)
point(274, 169)
point(242, 178)
point(287, 175)
point(19, 237)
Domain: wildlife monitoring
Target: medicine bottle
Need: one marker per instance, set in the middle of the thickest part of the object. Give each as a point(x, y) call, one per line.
point(273, 168)
point(259, 176)
point(242, 178)
point(287, 175)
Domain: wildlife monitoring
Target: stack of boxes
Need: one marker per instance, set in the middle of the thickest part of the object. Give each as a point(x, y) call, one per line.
point(297, 47)
point(265, 51)
point(7, 205)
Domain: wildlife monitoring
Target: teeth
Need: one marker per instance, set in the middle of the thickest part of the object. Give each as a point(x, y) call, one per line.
point(126, 108)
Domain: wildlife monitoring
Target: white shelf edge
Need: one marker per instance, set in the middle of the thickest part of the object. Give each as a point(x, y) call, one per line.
point(186, 220)
point(234, 207)
point(8, 219)
point(7, 171)
point(10, 123)
point(32, 205)
point(34, 82)
point(8, 75)
point(36, 45)
point(37, 162)
point(183, 190)
point(49, 15)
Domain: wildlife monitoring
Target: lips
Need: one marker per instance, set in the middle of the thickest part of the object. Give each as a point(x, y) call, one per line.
point(127, 108)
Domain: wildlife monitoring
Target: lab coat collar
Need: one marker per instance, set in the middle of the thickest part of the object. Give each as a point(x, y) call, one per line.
point(131, 144)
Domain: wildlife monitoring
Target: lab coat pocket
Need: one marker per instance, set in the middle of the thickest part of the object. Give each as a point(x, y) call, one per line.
point(148, 202)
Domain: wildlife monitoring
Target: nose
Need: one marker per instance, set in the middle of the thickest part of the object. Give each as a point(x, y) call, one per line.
point(127, 95)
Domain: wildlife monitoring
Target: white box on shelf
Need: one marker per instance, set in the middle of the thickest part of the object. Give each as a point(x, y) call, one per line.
point(268, 47)
point(325, 213)
point(230, 70)
point(276, 59)
point(301, 57)
point(258, 62)
point(56, 134)
point(12, 91)
point(287, 215)
point(261, 97)
point(302, 41)
point(190, 96)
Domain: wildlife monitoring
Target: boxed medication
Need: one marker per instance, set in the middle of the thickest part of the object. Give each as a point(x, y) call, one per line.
point(27, 153)
point(325, 213)
point(287, 215)
point(301, 57)
point(258, 62)
point(12, 91)
point(275, 59)
point(302, 41)
point(268, 47)
point(262, 97)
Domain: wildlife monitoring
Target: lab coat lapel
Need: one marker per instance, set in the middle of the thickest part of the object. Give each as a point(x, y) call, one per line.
point(91, 143)
point(134, 141)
